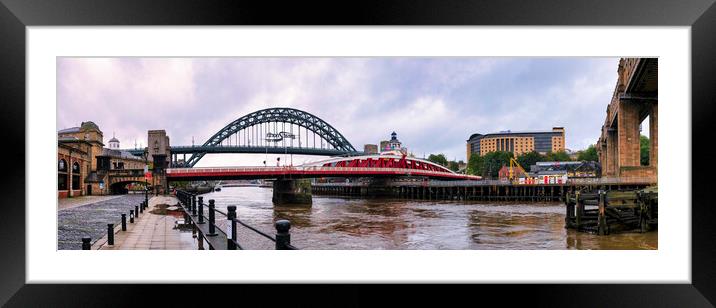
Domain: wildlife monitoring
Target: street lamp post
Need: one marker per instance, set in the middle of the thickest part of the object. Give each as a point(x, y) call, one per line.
point(280, 137)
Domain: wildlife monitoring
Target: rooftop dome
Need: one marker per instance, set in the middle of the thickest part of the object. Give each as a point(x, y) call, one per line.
point(113, 140)
point(89, 125)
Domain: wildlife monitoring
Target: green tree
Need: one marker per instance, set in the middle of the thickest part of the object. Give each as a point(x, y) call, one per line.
point(493, 161)
point(475, 164)
point(439, 159)
point(645, 145)
point(453, 165)
point(557, 156)
point(590, 154)
point(528, 159)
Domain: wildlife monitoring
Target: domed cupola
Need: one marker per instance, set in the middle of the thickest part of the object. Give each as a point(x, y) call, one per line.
point(113, 143)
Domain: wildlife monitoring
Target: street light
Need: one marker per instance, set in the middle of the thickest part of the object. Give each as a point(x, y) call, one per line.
point(280, 137)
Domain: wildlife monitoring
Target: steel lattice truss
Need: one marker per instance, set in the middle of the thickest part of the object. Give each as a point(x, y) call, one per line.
point(278, 115)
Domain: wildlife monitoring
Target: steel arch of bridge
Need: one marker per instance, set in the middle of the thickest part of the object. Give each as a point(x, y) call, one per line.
point(278, 115)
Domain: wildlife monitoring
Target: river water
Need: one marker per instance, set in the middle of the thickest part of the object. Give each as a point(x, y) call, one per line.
point(351, 223)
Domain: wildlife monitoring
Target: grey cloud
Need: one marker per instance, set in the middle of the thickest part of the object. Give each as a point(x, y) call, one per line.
point(434, 104)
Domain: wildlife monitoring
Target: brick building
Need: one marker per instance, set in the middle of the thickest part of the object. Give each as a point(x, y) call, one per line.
point(85, 166)
point(73, 165)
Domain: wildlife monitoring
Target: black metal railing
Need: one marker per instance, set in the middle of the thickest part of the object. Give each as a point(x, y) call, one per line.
point(189, 204)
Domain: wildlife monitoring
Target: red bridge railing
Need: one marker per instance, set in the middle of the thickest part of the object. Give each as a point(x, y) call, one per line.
point(312, 170)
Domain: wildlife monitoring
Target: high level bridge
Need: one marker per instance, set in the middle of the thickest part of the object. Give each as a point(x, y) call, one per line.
point(635, 98)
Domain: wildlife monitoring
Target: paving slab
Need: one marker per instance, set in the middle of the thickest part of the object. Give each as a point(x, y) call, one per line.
point(151, 231)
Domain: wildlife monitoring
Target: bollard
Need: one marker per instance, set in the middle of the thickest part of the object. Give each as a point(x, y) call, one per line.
point(201, 210)
point(200, 243)
point(193, 205)
point(146, 197)
point(131, 216)
point(141, 208)
point(231, 229)
point(283, 238)
point(136, 211)
point(212, 214)
point(110, 234)
point(124, 222)
point(86, 243)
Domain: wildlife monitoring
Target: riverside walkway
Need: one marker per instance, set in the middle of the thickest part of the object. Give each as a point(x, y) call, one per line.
point(153, 229)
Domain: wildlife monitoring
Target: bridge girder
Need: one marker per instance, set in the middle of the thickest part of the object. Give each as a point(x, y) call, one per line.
point(278, 115)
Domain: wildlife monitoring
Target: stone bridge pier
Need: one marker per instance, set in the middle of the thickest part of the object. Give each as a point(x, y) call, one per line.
point(292, 192)
point(634, 99)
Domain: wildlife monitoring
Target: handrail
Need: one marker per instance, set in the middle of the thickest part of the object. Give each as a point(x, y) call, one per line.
point(247, 226)
point(188, 205)
point(255, 230)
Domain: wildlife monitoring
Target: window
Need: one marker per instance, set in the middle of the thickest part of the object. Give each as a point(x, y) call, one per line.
point(75, 176)
point(62, 175)
point(62, 181)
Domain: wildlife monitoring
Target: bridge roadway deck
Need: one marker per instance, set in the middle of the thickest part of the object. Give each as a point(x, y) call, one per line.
point(150, 231)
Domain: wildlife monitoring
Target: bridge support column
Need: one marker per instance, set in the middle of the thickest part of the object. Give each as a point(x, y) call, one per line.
point(292, 192)
point(612, 154)
point(654, 137)
point(628, 134)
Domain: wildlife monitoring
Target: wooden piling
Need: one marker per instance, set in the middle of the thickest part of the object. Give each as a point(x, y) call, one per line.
point(602, 224)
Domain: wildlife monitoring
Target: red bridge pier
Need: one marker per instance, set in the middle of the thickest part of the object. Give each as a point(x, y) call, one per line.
point(292, 192)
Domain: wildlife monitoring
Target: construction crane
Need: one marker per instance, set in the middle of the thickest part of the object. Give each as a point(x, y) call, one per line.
point(513, 164)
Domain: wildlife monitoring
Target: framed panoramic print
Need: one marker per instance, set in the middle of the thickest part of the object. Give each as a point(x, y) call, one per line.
point(509, 143)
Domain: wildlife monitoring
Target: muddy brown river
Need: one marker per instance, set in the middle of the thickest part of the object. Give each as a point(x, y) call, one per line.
point(350, 223)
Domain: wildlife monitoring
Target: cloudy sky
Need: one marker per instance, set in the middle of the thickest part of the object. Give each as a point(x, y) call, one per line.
point(434, 104)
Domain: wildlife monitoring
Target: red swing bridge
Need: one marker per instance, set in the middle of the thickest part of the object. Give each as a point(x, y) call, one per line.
point(376, 166)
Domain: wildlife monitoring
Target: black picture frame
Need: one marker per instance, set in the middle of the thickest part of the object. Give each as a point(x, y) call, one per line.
point(16, 15)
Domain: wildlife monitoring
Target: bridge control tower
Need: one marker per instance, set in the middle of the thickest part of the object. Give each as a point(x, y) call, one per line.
point(158, 149)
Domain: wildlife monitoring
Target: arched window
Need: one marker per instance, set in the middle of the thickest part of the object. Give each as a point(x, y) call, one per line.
point(62, 165)
point(75, 176)
point(62, 175)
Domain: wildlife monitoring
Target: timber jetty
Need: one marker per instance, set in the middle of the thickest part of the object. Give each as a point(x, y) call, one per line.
point(604, 212)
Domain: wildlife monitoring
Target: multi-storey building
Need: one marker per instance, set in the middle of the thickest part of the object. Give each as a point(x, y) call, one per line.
point(517, 142)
